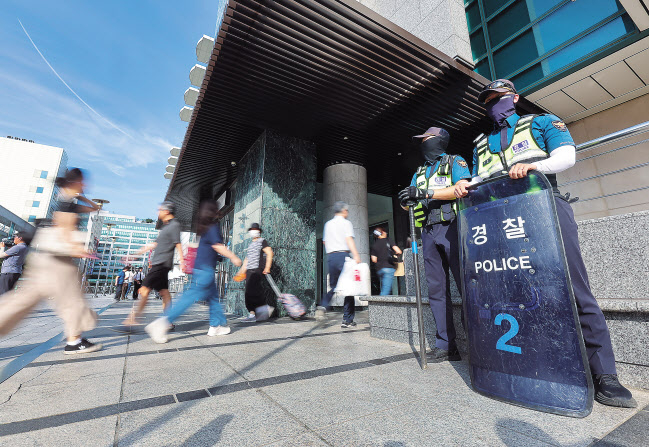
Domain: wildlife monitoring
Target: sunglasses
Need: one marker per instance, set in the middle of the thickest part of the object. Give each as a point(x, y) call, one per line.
point(500, 84)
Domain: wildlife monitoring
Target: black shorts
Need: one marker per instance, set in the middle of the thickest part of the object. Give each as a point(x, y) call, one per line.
point(157, 278)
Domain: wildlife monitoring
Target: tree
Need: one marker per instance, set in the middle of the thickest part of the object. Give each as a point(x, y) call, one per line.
point(148, 220)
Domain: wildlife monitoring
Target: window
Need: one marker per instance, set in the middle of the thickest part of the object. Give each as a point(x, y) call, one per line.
point(473, 16)
point(515, 54)
point(43, 174)
point(31, 218)
point(36, 203)
point(507, 23)
point(478, 45)
point(39, 189)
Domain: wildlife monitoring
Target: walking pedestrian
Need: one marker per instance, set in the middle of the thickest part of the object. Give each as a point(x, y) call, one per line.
point(119, 284)
point(259, 259)
point(167, 242)
point(338, 240)
point(137, 282)
point(211, 250)
point(128, 281)
point(384, 254)
point(52, 271)
point(12, 266)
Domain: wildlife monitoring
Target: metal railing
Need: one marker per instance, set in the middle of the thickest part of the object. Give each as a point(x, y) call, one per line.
point(607, 139)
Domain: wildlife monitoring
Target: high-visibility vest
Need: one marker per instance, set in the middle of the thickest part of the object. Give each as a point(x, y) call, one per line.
point(441, 178)
point(523, 147)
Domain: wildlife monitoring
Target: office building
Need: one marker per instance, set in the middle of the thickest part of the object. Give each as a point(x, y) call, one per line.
point(322, 101)
point(27, 177)
point(113, 236)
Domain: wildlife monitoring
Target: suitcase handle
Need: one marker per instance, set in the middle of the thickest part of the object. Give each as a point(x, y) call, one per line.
point(273, 286)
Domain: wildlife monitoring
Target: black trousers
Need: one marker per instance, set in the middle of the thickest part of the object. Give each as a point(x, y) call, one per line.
point(136, 288)
point(8, 281)
point(593, 325)
point(254, 291)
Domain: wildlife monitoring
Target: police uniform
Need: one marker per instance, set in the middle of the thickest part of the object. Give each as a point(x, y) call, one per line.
point(439, 236)
point(532, 138)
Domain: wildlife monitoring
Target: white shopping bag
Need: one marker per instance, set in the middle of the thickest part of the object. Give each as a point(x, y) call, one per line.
point(354, 279)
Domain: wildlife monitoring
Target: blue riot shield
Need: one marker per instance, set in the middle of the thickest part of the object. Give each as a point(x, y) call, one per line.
point(525, 342)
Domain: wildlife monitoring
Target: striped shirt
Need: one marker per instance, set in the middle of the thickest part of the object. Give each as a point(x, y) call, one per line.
point(255, 255)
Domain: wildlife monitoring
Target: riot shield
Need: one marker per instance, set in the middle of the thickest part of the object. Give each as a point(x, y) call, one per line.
point(525, 342)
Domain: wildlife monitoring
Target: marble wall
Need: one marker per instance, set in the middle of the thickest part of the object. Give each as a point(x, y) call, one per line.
point(285, 208)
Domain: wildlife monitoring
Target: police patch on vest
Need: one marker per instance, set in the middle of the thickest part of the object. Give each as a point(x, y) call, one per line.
point(440, 180)
point(462, 163)
point(560, 125)
point(520, 147)
point(421, 183)
point(487, 161)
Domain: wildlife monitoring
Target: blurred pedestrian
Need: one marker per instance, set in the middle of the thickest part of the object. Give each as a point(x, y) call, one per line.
point(259, 259)
point(384, 254)
point(120, 284)
point(137, 282)
point(211, 250)
point(52, 271)
point(338, 240)
point(12, 266)
point(162, 260)
point(128, 281)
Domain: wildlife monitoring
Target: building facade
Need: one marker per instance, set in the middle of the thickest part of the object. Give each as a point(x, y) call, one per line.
point(27, 177)
point(114, 236)
point(322, 102)
point(588, 63)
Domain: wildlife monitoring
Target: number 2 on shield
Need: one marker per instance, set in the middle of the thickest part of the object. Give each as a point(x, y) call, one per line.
point(501, 344)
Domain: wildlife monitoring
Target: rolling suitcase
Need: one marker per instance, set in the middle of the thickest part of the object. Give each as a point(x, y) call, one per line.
point(292, 304)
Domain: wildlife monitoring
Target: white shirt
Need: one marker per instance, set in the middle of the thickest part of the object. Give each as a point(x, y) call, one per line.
point(128, 277)
point(335, 233)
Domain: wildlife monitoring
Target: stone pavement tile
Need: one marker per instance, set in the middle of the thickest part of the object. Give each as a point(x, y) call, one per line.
point(300, 440)
point(247, 418)
point(633, 433)
point(73, 372)
point(55, 398)
point(443, 386)
point(176, 372)
point(333, 399)
point(13, 383)
point(97, 432)
point(412, 425)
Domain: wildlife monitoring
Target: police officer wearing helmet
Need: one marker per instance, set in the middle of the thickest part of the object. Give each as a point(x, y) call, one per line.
point(542, 142)
point(432, 188)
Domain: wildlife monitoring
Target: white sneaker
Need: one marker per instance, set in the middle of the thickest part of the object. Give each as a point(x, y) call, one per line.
point(218, 330)
point(320, 313)
point(158, 330)
point(249, 317)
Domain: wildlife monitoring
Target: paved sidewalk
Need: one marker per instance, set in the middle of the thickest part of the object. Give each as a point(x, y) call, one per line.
point(280, 383)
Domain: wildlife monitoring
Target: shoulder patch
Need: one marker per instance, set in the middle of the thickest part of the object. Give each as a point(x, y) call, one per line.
point(462, 163)
point(560, 125)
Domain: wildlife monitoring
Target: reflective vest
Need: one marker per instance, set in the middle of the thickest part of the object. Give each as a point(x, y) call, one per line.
point(441, 178)
point(523, 147)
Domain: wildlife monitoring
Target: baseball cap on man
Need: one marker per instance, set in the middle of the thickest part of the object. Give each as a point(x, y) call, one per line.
point(433, 132)
point(499, 85)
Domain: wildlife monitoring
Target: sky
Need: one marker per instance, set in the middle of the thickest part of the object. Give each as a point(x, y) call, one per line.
point(128, 61)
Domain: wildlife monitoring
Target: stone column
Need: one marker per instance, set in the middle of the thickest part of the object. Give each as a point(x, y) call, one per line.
point(276, 187)
point(348, 183)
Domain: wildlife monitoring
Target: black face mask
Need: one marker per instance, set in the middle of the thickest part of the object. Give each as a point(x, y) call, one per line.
point(433, 148)
point(501, 108)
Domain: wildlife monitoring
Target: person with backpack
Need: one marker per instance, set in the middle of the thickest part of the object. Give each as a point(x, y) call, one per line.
point(432, 188)
point(211, 250)
point(384, 254)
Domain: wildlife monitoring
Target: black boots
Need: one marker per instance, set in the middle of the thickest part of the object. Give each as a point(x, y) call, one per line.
point(609, 391)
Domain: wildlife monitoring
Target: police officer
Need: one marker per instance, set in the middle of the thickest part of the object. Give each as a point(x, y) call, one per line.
point(432, 188)
point(543, 143)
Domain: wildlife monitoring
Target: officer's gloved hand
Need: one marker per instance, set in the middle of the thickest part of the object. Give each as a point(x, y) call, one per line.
point(411, 193)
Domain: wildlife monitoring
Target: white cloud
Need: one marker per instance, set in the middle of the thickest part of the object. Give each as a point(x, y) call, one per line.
point(57, 118)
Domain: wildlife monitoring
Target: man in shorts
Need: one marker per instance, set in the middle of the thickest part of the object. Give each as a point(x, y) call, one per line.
point(162, 261)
